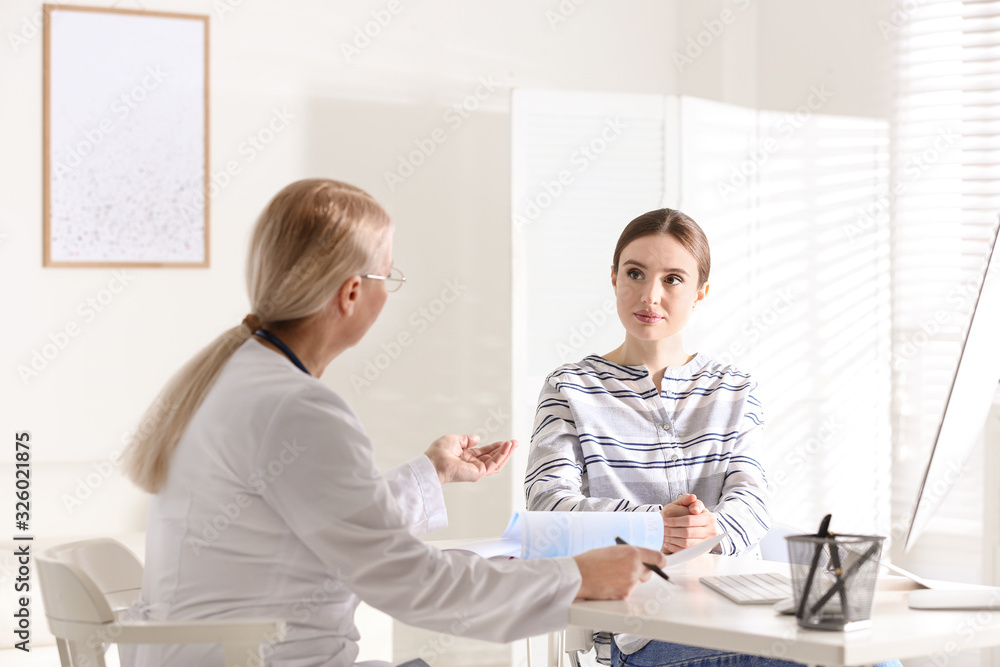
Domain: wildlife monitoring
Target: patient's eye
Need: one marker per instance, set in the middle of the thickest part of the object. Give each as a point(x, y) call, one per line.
point(673, 280)
point(634, 274)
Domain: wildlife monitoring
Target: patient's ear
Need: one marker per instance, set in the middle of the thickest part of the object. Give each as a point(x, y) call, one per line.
point(702, 293)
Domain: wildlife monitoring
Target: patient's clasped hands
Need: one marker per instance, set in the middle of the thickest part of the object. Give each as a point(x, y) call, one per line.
point(686, 522)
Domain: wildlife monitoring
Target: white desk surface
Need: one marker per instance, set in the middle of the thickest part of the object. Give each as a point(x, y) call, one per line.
point(686, 611)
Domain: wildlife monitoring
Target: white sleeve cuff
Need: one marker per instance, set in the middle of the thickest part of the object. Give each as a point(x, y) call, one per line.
point(417, 491)
point(571, 577)
point(435, 514)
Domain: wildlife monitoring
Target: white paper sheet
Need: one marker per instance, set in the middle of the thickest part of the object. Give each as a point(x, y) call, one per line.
point(553, 534)
point(684, 555)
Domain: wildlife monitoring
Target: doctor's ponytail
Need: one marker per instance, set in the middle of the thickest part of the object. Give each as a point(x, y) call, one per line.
point(311, 237)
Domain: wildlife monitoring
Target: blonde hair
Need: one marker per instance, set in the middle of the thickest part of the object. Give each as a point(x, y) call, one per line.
point(311, 237)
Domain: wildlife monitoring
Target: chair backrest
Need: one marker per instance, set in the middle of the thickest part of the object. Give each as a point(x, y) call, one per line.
point(773, 546)
point(81, 581)
point(83, 585)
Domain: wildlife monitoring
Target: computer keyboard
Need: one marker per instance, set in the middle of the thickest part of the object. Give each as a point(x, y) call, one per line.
point(751, 588)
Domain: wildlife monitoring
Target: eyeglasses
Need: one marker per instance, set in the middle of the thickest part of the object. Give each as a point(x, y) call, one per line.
point(393, 281)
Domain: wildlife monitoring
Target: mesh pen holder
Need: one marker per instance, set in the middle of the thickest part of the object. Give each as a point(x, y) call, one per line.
point(833, 579)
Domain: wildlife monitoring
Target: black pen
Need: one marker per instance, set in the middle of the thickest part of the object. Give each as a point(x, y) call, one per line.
point(654, 568)
point(824, 531)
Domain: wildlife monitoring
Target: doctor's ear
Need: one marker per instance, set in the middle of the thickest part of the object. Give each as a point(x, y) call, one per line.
point(348, 294)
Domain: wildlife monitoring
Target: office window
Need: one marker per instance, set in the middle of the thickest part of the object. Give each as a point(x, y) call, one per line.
point(800, 296)
point(943, 200)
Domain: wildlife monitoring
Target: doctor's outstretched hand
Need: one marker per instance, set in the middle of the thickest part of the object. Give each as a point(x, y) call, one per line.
point(457, 459)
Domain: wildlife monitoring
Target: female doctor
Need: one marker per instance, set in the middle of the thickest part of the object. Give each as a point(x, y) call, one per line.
point(267, 501)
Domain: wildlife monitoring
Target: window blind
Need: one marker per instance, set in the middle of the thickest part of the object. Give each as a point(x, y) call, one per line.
point(943, 201)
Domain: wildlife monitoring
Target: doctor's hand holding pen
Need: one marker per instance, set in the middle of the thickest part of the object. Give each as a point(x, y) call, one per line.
point(612, 573)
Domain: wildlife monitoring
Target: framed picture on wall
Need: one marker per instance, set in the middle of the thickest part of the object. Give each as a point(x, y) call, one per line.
point(126, 165)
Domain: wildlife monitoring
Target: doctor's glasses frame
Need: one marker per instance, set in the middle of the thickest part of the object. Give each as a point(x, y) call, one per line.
point(393, 281)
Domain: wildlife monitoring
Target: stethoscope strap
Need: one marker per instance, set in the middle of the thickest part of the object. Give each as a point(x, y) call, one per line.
point(278, 343)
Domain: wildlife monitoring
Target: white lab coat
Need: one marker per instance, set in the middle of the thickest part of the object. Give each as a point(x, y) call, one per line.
point(274, 507)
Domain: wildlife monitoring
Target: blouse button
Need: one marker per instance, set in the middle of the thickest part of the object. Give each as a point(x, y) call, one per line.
point(666, 427)
point(675, 458)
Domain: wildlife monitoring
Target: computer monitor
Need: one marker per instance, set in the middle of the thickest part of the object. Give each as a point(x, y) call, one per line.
point(969, 399)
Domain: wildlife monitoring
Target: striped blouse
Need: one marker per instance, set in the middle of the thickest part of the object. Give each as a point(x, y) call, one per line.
point(605, 439)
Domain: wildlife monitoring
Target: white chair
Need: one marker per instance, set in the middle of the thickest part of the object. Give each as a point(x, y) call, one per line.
point(576, 642)
point(570, 644)
point(773, 545)
point(85, 585)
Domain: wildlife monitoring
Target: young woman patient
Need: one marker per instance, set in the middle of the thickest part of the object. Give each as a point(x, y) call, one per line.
point(650, 427)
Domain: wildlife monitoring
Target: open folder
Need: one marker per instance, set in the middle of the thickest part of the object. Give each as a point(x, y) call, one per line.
point(553, 534)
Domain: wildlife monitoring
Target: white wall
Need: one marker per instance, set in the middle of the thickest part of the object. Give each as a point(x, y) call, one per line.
point(771, 52)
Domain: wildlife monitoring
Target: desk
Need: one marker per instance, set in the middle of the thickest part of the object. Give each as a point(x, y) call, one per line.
point(686, 611)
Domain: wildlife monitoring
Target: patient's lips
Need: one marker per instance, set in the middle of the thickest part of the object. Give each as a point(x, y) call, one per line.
point(648, 316)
